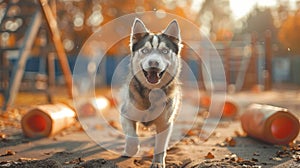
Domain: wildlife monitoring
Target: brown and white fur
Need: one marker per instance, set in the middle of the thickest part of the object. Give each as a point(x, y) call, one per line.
point(152, 93)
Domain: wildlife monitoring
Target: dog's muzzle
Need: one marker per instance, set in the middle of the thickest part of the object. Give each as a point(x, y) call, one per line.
point(153, 75)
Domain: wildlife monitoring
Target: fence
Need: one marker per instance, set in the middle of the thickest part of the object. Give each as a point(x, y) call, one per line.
point(236, 57)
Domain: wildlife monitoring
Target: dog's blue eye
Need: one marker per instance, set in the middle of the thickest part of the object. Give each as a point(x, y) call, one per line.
point(165, 51)
point(145, 51)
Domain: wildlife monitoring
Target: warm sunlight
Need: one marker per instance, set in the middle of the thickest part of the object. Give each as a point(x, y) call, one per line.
point(241, 8)
point(145, 83)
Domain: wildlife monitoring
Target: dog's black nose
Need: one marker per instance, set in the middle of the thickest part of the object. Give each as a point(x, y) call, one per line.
point(153, 63)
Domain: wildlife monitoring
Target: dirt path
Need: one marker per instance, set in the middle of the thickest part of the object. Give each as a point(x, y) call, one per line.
point(227, 146)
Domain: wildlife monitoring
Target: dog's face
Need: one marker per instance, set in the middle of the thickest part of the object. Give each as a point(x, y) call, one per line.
point(155, 58)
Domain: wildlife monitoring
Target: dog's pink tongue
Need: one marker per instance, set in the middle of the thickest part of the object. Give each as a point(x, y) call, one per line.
point(153, 77)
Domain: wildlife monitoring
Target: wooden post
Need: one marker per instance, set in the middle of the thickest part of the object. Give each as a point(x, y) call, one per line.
point(227, 62)
point(200, 77)
point(250, 80)
point(51, 69)
point(18, 70)
point(55, 36)
point(268, 61)
point(53, 8)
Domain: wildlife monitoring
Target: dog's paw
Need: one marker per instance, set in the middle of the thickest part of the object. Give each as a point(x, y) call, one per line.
point(131, 148)
point(130, 151)
point(125, 155)
point(157, 165)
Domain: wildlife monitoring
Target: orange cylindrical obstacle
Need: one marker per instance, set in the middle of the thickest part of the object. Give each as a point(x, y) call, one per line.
point(92, 106)
point(230, 108)
point(47, 120)
point(271, 124)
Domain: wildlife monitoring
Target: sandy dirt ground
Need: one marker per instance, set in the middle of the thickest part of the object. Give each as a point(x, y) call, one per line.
point(228, 146)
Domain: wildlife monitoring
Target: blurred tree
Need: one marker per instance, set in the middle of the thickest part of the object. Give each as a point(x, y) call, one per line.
point(215, 18)
point(115, 9)
point(84, 18)
point(280, 20)
point(259, 20)
point(289, 34)
point(78, 19)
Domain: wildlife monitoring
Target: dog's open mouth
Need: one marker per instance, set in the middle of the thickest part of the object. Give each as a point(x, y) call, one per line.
point(153, 75)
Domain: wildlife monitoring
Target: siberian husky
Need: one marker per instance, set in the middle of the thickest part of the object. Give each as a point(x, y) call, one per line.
point(152, 93)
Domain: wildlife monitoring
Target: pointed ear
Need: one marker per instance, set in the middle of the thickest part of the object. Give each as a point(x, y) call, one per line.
point(173, 31)
point(138, 31)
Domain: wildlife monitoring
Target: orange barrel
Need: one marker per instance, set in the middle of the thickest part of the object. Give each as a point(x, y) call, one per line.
point(47, 120)
point(90, 107)
point(205, 101)
point(230, 108)
point(271, 124)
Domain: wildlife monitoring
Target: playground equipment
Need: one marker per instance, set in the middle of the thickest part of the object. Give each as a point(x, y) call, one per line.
point(11, 81)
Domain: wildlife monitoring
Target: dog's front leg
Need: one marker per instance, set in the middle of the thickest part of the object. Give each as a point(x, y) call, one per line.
point(161, 144)
point(132, 141)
